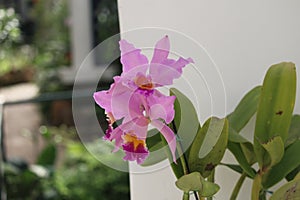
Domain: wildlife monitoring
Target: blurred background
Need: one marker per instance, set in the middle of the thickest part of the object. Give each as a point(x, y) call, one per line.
point(42, 44)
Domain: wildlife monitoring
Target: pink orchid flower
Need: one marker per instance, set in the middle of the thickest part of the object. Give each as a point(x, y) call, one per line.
point(134, 98)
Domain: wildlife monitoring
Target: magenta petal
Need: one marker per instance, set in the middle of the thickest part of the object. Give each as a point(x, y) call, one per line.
point(116, 135)
point(131, 57)
point(168, 134)
point(161, 107)
point(140, 154)
point(161, 50)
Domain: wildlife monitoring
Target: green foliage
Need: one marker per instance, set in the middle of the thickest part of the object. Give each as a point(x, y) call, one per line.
point(80, 176)
point(195, 182)
point(276, 140)
point(209, 146)
point(275, 109)
point(9, 27)
point(84, 177)
point(52, 44)
point(289, 191)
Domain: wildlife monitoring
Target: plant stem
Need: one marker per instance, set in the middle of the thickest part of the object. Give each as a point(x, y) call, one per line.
point(183, 159)
point(186, 196)
point(238, 186)
point(211, 178)
point(256, 187)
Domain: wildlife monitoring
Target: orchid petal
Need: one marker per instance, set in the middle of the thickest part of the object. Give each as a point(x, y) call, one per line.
point(103, 98)
point(168, 134)
point(135, 149)
point(131, 57)
point(164, 73)
point(161, 50)
point(161, 107)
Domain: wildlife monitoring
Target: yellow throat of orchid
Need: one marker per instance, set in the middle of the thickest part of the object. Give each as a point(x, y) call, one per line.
point(131, 138)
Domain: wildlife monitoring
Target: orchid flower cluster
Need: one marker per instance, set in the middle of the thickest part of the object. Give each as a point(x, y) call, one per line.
point(135, 99)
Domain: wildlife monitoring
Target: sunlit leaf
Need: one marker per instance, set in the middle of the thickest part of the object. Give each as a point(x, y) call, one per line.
point(275, 108)
point(275, 149)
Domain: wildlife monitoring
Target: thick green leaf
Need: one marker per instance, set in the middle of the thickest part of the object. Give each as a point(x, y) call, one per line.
point(186, 126)
point(289, 162)
point(244, 145)
point(234, 136)
point(209, 189)
point(275, 149)
point(185, 120)
point(195, 182)
point(190, 182)
point(294, 131)
point(236, 150)
point(275, 108)
point(237, 168)
point(245, 109)
point(289, 191)
point(248, 151)
point(292, 174)
point(48, 156)
point(214, 136)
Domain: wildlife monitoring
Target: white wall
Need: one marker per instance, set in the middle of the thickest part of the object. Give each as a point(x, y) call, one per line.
point(243, 38)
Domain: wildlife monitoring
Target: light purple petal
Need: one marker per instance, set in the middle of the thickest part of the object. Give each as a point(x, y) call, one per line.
point(164, 73)
point(161, 107)
point(131, 57)
point(168, 134)
point(161, 50)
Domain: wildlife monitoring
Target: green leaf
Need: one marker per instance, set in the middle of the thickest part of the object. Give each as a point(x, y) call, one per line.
point(234, 136)
point(245, 109)
point(289, 162)
point(275, 108)
point(288, 191)
point(244, 145)
point(292, 174)
point(186, 126)
point(236, 150)
point(209, 189)
point(294, 131)
point(195, 182)
point(48, 156)
point(238, 169)
point(186, 119)
point(248, 151)
point(209, 146)
point(190, 182)
point(275, 149)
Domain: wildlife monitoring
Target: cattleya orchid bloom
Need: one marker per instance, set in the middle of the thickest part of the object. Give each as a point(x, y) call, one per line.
point(134, 98)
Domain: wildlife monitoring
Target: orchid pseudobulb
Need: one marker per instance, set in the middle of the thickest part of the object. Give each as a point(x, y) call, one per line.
point(134, 98)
